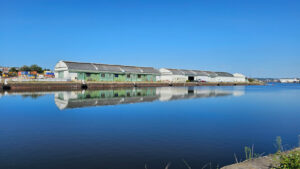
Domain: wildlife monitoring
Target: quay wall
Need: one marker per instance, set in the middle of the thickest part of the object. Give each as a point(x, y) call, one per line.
point(59, 86)
point(44, 86)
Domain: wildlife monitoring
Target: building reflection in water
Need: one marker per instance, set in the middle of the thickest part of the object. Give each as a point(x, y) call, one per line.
point(87, 98)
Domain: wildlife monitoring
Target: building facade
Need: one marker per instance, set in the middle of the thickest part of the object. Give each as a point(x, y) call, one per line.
point(238, 77)
point(182, 75)
point(104, 72)
point(172, 75)
point(224, 77)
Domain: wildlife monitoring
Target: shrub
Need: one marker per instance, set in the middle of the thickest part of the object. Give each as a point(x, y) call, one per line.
point(251, 80)
point(289, 160)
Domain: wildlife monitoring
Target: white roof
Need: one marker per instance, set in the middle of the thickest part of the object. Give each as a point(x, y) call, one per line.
point(238, 75)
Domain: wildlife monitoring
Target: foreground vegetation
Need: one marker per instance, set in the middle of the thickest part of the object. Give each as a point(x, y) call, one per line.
point(282, 159)
point(289, 160)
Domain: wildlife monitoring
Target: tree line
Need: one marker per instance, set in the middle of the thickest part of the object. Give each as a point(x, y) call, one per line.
point(34, 67)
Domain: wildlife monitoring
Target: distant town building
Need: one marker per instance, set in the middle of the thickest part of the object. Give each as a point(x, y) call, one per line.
point(289, 80)
point(4, 69)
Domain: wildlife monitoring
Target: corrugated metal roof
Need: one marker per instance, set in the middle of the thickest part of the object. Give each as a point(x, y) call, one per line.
point(96, 67)
point(211, 74)
point(188, 72)
point(176, 71)
point(201, 73)
point(108, 68)
point(80, 66)
point(198, 73)
point(224, 74)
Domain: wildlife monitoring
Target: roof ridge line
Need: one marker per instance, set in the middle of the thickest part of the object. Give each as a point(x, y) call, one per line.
point(107, 64)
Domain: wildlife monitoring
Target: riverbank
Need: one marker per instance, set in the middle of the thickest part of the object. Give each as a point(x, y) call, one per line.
point(265, 162)
point(55, 86)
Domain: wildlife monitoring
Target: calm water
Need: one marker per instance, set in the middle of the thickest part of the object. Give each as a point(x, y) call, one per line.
point(128, 128)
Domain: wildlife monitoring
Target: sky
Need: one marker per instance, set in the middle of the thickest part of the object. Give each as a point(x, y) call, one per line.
point(259, 38)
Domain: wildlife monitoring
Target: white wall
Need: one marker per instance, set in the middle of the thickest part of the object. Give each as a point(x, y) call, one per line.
point(61, 66)
point(224, 79)
point(72, 75)
point(205, 78)
point(173, 78)
point(167, 76)
point(238, 77)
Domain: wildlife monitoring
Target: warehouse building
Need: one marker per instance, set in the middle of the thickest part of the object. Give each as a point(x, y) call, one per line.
point(182, 75)
point(224, 77)
point(238, 77)
point(206, 76)
point(172, 75)
point(104, 72)
point(227, 77)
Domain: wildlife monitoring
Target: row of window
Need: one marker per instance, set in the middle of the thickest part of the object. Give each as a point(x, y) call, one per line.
point(115, 95)
point(116, 75)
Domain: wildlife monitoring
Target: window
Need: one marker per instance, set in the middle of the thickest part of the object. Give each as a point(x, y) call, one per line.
point(116, 75)
point(128, 94)
point(102, 75)
point(139, 76)
point(128, 76)
point(88, 75)
point(102, 95)
point(116, 94)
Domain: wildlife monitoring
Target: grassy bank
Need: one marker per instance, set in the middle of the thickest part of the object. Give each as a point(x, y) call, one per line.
point(280, 160)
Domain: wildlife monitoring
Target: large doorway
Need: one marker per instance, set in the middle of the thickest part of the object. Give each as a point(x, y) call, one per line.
point(191, 78)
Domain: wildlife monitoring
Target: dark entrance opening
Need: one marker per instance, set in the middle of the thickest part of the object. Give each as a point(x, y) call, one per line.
point(190, 91)
point(84, 86)
point(191, 78)
point(6, 87)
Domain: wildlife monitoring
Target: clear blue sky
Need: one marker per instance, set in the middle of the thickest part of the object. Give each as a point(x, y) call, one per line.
point(260, 38)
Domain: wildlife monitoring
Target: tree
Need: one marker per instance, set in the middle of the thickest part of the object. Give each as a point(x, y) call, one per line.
point(25, 68)
point(13, 69)
point(36, 68)
point(32, 68)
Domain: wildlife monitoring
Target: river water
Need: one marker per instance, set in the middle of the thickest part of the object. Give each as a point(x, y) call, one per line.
point(146, 127)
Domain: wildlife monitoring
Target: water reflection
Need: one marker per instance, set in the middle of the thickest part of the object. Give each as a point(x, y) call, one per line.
point(77, 99)
point(36, 134)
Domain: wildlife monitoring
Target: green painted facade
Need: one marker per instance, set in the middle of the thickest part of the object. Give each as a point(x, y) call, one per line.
point(61, 74)
point(105, 94)
point(114, 77)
